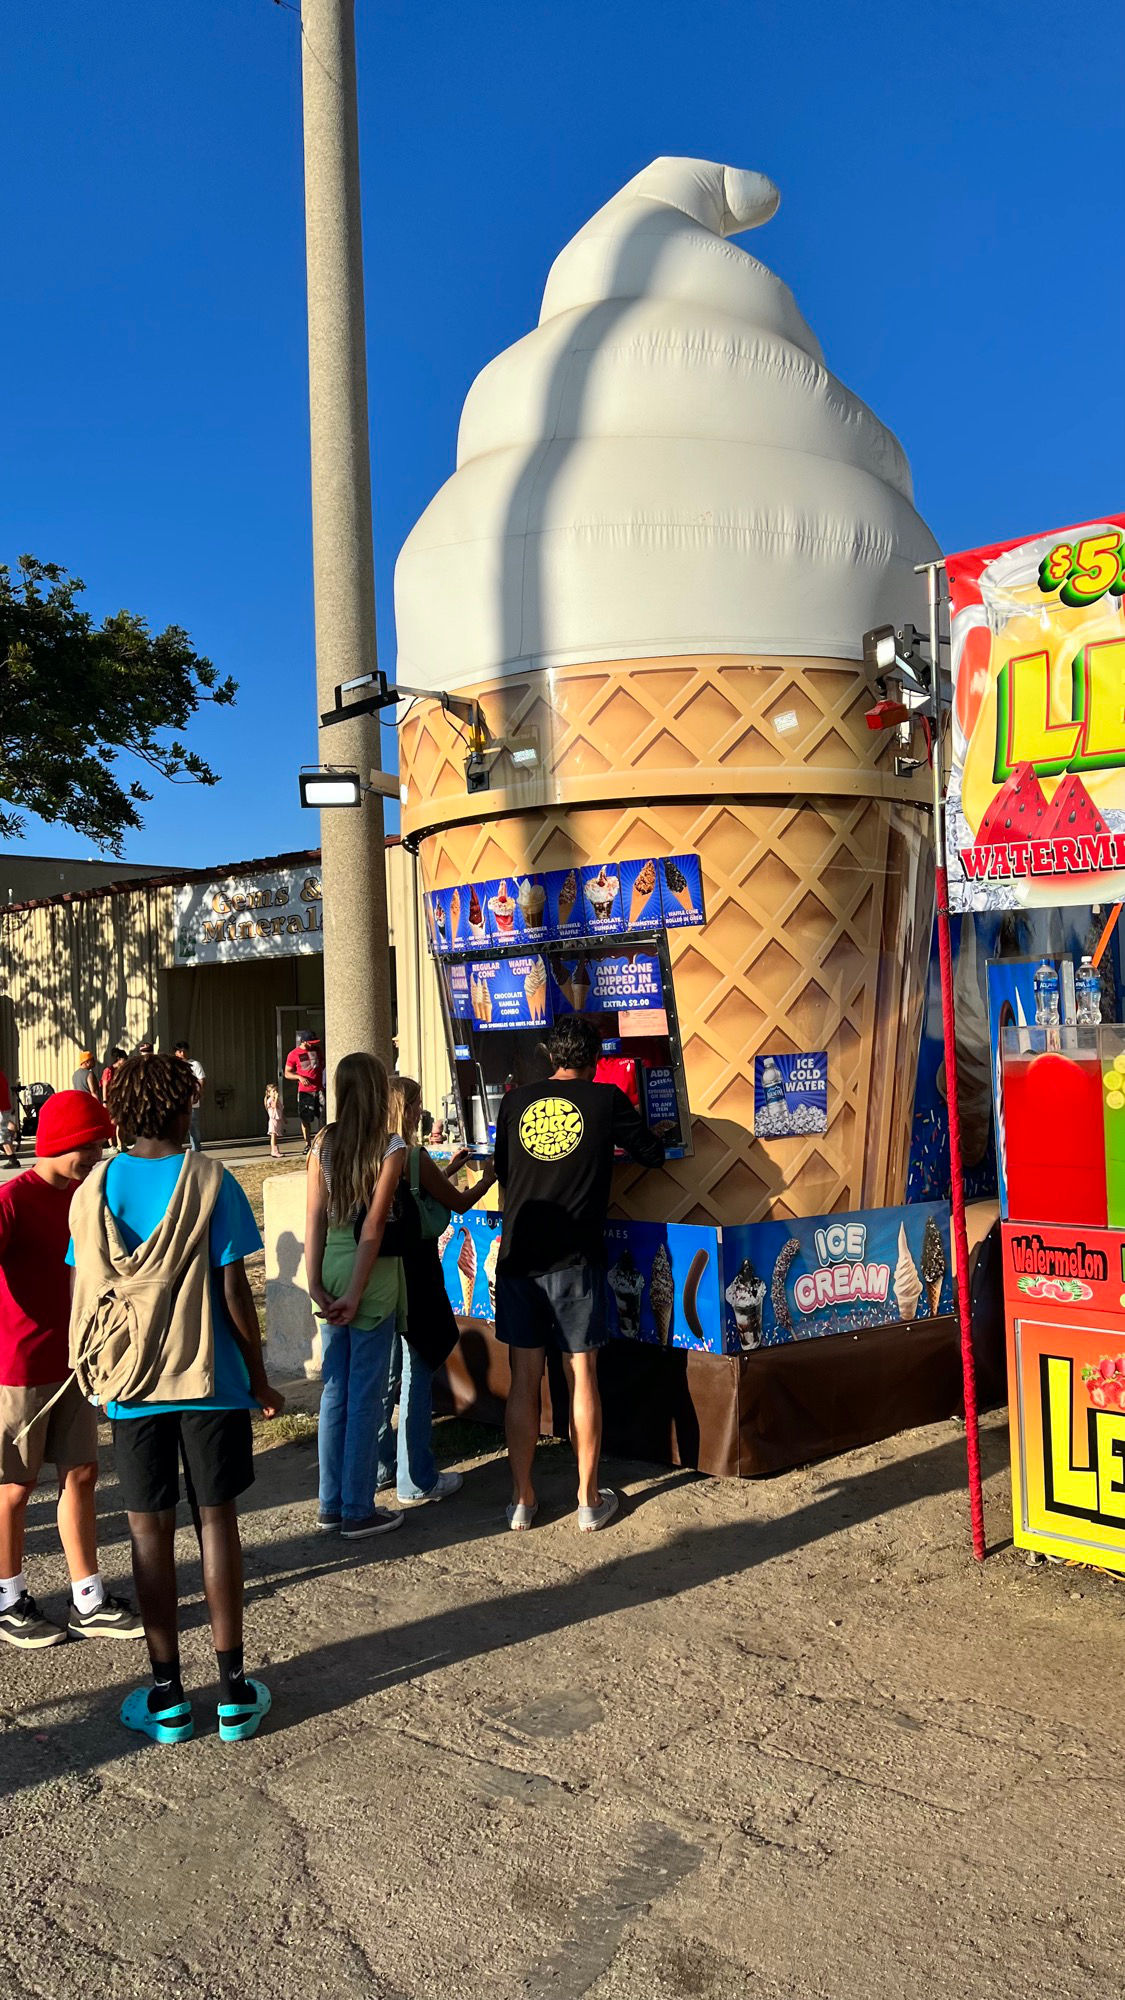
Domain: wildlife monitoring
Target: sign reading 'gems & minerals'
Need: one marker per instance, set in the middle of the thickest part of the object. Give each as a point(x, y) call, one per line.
point(275, 914)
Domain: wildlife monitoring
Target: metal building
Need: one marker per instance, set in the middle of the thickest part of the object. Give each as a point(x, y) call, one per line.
point(228, 958)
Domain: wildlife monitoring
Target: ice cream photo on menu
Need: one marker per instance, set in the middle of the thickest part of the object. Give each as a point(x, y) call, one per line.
point(627, 1286)
point(641, 895)
point(531, 898)
point(503, 908)
point(601, 890)
point(746, 1295)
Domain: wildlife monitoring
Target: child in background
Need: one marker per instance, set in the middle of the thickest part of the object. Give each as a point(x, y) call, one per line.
point(164, 1331)
point(431, 1330)
point(34, 1366)
point(354, 1171)
point(275, 1119)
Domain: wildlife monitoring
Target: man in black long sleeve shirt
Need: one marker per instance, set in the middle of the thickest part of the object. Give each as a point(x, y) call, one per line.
point(555, 1143)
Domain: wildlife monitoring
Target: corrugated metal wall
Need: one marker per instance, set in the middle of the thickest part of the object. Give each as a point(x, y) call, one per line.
point(100, 970)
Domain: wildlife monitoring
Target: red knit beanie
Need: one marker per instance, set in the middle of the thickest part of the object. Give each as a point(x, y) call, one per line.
point(69, 1119)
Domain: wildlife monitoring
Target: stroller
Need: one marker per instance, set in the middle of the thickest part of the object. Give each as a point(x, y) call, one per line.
point(28, 1100)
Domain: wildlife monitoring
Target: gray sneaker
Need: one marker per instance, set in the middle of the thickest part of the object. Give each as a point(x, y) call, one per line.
point(590, 1518)
point(447, 1483)
point(23, 1624)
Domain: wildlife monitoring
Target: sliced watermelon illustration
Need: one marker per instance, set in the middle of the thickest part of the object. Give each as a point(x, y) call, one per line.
point(1017, 812)
point(1072, 814)
point(1072, 811)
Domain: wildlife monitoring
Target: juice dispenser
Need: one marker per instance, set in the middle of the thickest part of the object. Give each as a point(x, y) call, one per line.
point(1054, 1119)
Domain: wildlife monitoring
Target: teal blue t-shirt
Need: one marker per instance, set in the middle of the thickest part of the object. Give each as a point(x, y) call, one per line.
point(138, 1193)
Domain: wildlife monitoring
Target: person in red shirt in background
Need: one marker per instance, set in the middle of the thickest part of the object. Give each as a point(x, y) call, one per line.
point(34, 1364)
point(306, 1064)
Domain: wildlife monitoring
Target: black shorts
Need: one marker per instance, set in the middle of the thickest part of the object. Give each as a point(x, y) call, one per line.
point(218, 1449)
point(308, 1109)
point(564, 1308)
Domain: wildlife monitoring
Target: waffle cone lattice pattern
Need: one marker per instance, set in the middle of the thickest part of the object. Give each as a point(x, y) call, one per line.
point(817, 913)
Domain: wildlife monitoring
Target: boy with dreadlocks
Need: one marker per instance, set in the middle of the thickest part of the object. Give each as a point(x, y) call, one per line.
point(164, 1332)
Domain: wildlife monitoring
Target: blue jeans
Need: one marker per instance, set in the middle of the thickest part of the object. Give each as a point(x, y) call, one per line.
point(355, 1363)
point(410, 1463)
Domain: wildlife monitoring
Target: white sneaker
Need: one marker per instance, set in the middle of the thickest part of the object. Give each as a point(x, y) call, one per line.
point(447, 1483)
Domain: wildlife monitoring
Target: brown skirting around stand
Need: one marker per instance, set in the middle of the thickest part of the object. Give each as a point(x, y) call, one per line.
point(735, 1416)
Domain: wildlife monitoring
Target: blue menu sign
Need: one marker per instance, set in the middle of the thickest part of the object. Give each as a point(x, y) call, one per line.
point(459, 992)
point(790, 1095)
point(601, 888)
point(595, 899)
point(681, 891)
point(509, 992)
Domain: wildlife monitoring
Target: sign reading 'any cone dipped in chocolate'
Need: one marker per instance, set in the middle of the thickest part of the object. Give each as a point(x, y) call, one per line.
point(1036, 801)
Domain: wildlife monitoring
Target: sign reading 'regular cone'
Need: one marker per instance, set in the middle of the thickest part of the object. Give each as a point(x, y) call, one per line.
point(1036, 800)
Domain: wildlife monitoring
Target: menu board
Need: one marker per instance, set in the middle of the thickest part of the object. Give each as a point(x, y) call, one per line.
point(508, 992)
point(598, 899)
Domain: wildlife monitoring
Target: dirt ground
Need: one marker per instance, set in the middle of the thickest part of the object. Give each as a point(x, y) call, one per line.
point(780, 1740)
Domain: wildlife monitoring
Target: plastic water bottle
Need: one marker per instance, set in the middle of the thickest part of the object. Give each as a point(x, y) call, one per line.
point(773, 1087)
point(1046, 985)
point(1088, 994)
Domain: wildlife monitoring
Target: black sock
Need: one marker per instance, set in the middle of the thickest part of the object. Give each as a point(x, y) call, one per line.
point(167, 1687)
point(232, 1680)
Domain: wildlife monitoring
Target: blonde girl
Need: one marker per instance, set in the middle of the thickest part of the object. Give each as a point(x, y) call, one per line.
point(275, 1119)
point(431, 1330)
point(354, 1170)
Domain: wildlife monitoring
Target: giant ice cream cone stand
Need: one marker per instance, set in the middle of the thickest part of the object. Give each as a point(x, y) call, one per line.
point(1035, 817)
point(647, 579)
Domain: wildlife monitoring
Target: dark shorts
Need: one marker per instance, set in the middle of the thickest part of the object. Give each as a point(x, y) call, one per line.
point(308, 1109)
point(565, 1309)
point(218, 1449)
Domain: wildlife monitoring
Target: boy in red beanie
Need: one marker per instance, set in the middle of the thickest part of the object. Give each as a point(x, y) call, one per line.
point(34, 1363)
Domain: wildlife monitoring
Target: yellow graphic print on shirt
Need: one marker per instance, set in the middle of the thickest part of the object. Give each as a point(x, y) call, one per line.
point(551, 1128)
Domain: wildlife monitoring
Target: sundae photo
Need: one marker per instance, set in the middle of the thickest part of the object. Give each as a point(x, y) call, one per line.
point(531, 899)
point(601, 894)
point(627, 1286)
point(476, 918)
point(503, 908)
point(438, 908)
point(746, 1296)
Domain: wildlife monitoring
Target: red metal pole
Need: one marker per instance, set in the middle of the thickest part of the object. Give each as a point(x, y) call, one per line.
point(960, 1230)
point(949, 1031)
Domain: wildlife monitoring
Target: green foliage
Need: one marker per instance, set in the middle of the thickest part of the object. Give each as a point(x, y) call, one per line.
point(75, 695)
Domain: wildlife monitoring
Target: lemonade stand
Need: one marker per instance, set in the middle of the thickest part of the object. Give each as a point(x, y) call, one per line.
point(1035, 824)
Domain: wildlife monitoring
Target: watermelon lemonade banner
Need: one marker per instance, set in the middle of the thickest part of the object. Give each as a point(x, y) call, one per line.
point(1036, 800)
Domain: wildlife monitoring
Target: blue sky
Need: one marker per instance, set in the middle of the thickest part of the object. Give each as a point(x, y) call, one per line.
point(950, 224)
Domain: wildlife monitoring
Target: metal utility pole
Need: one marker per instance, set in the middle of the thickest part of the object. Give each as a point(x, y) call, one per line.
point(357, 996)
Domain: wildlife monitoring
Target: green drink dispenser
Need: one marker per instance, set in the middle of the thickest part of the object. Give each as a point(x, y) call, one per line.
point(1111, 1054)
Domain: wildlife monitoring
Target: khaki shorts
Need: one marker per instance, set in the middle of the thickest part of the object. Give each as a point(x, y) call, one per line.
point(67, 1436)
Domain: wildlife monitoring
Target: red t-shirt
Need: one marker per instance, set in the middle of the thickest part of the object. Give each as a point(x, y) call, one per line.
point(34, 1281)
point(309, 1065)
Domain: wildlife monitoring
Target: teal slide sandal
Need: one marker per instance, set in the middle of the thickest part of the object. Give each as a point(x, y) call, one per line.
point(237, 1731)
point(168, 1725)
